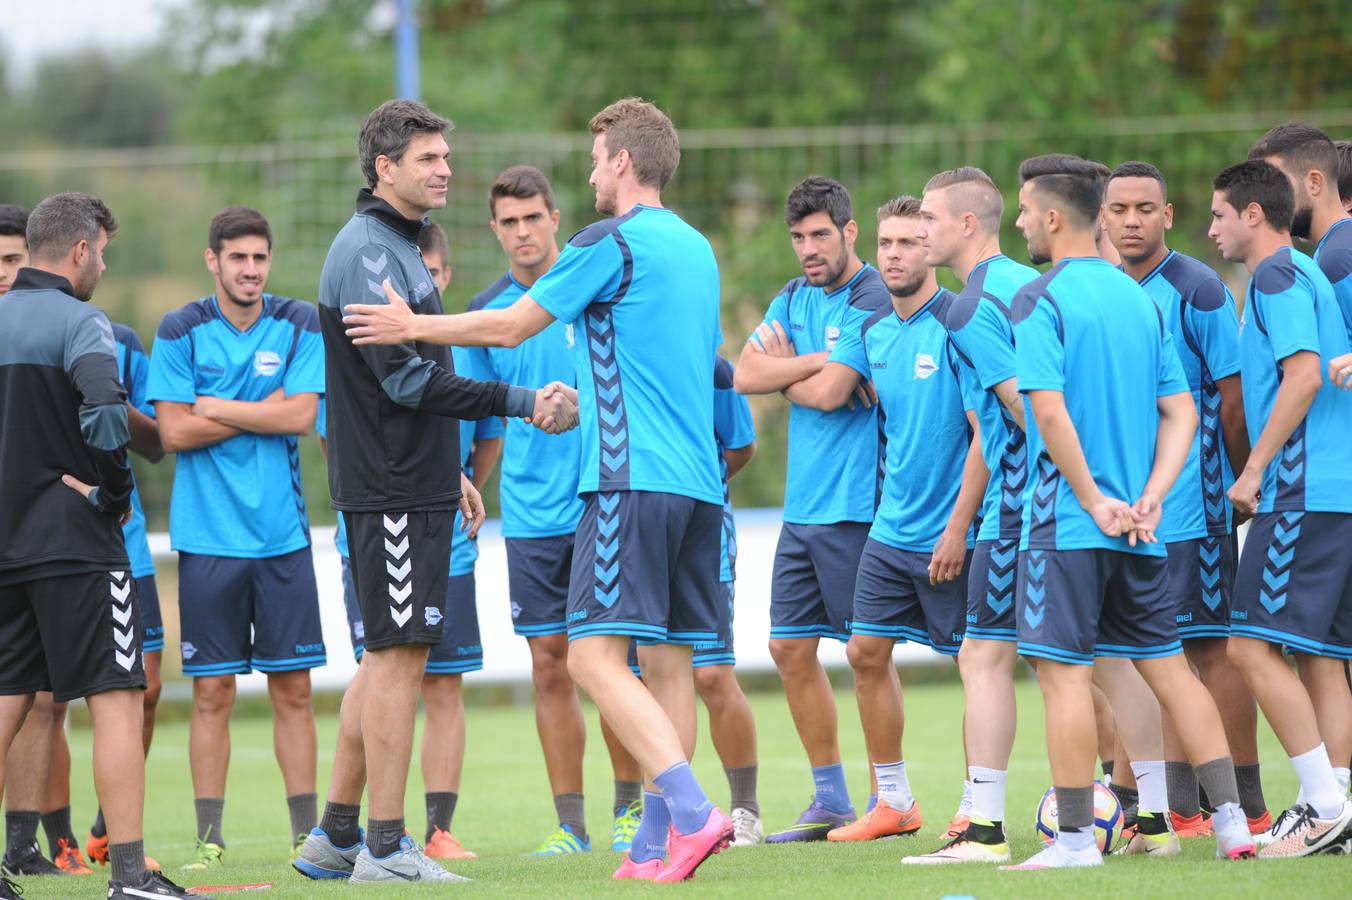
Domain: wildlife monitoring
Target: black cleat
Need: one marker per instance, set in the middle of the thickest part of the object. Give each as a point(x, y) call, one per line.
point(31, 861)
point(154, 885)
point(9, 890)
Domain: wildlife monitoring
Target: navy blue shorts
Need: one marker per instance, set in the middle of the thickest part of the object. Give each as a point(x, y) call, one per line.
point(1074, 605)
point(646, 565)
point(991, 581)
point(812, 592)
point(893, 598)
point(1294, 585)
point(1201, 580)
point(459, 650)
point(719, 652)
point(237, 615)
point(151, 620)
point(538, 571)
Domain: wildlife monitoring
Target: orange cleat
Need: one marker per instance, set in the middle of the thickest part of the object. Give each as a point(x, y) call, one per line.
point(1260, 824)
point(443, 845)
point(97, 848)
point(882, 821)
point(1191, 826)
point(69, 860)
point(958, 827)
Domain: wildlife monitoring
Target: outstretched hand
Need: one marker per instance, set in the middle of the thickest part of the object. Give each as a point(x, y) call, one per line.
point(555, 408)
point(370, 323)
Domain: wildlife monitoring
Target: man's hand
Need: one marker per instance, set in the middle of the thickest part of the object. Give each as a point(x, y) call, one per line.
point(1244, 493)
point(772, 341)
point(1112, 516)
point(471, 507)
point(865, 393)
point(1147, 512)
point(1340, 371)
point(377, 324)
point(950, 554)
point(85, 490)
point(555, 408)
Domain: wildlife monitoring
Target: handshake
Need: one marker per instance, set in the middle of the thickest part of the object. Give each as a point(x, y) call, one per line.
point(555, 408)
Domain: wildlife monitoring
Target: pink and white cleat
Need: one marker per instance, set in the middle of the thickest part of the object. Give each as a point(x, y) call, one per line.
point(638, 871)
point(685, 852)
point(1057, 855)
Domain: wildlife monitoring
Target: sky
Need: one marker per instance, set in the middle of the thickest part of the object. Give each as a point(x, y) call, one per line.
point(31, 29)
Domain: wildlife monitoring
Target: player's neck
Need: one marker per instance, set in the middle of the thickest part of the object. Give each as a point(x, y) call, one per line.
point(1324, 218)
point(1073, 244)
point(908, 306)
point(1265, 243)
point(981, 249)
point(237, 314)
point(1143, 267)
point(851, 269)
point(528, 275)
point(627, 196)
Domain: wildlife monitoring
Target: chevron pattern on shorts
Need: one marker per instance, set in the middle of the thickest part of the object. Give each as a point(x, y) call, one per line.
point(124, 630)
point(1000, 575)
point(1209, 563)
point(1035, 588)
point(1281, 553)
point(399, 567)
point(606, 566)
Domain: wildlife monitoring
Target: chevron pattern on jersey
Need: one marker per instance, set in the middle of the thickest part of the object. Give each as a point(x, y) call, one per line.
point(1291, 468)
point(1281, 552)
point(124, 630)
point(882, 459)
point(297, 491)
point(1000, 575)
point(1209, 563)
point(610, 413)
point(1035, 588)
point(1213, 479)
point(399, 568)
point(606, 565)
point(1014, 477)
point(1043, 498)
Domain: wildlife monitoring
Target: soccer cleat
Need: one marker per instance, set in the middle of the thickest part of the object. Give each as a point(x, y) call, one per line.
point(882, 821)
point(69, 859)
point(982, 841)
point(637, 871)
point(685, 852)
point(443, 845)
point(31, 862)
point(1309, 834)
point(747, 830)
point(97, 848)
point(1057, 856)
point(625, 827)
point(1199, 825)
point(320, 859)
point(408, 863)
point(1261, 824)
point(813, 825)
point(10, 890)
point(562, 842)
point(1233, 840)
point(1151, 837)
point(1285, 820)
point(206, 856)
point(153, 885)
point(957, 825)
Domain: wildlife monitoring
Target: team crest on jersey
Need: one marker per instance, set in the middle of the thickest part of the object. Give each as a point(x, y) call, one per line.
point(832, 336)
point(267, 363)
point(924, 365)
point(431, 616)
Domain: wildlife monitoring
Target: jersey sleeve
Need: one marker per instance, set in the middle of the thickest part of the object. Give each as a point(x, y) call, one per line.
point(1283, 304)
point(849, 349)
point(590, 268)
point(732, 419)
point(90, 362)
point(171, 366)
point(778, 311)
point(322, 418)
point(955, 369)
point(138, 377)
point(487, 429)
point(1172, 379)
point(1213, 325)
point(987, 339)
point(1039, 355)
point(305, 372)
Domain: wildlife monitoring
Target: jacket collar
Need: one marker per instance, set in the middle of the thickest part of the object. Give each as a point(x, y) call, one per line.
point(32, 279)
point(368, 204)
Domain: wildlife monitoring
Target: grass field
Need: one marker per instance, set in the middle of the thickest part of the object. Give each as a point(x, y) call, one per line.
point(505, 810)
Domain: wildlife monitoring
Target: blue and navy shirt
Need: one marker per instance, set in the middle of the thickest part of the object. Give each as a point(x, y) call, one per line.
point(922, 406)
point(1334, 256)
point(1291, 307)
point(733, 430)
point(983, 339)
point(1090, 332)
point(241, 497)
point(642, 293)
point(1200, 315)
point(538, 486)
point(833, 472)
point(134, 367)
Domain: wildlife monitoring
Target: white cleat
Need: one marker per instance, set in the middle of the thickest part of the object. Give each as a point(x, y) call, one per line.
point(1057, 856)
point(408, 863)
point(746, 828)
point(962, 850)
point(1280, 826)
point(1310, 834)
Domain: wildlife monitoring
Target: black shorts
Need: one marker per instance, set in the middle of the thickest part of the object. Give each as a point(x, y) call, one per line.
point(400, 568)
point(460, 649)
point(73, 635)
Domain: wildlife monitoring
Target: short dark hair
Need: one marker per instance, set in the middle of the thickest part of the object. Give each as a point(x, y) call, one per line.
point(520, 183)
point(1259, 181)
point(432, 239)
point(63, 220)
point(1302, 146)
point(905, 206)
point(1344, 149)
point(388, 130)
point(236, 222)
point(1137, 169)
point(638, 126)
point(13, 220)
point(817, 193)
point(1076, 182)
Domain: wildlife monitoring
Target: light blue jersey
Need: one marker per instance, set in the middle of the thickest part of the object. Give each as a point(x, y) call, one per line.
point(922, 406)
point(983, 338)
point(733, 430)
point(1088, 331)
point(134, 367)
point(538, 487)
point(1291, 307)
point(241, 497)
point(1199, 314)
point(641, 291)
point(833, 467)
point(1334, 256)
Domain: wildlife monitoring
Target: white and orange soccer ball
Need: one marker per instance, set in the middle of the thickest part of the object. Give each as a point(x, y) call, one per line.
point(1107, 817)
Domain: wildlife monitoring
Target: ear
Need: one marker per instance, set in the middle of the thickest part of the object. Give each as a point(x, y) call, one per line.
point(213, 264)
point(1315, 183)
point(1252, 215)
point(851, 231)
point(79, 253)
point(554, 218)
point(1052, 219)
point(1168, 216)
point(621, 162)
point(970, 225)
point(384, 169)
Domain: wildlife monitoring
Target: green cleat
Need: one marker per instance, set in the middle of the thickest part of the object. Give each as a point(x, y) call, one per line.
point(561, 842)
point(626, 826)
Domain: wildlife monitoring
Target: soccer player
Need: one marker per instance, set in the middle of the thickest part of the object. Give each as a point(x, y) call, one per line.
point(1345, 173)
point(540, 512)
point(1092, 581)
point(810, 347)
point(960, 218)
point(63, 562)
point(649, 530)
point(1197, 523)
point(1293, 588)
point(13, 243)
point(393, 446)
point(912, 580)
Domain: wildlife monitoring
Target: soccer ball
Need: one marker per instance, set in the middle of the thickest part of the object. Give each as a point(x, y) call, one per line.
point(1107, 817)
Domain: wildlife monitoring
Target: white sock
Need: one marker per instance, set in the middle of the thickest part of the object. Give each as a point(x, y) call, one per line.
point(1151, 785)
point(1076, 840)
point(1318, 783)
point(988, 793)
point(1342, 776)
point(965, 804)
point(894, 788)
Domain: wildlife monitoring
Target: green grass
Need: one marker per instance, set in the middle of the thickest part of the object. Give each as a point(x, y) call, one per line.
point(505, 811)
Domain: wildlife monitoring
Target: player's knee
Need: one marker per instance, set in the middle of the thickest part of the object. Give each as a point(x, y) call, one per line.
point(290, 691)
point(1245, 653)
point(868, 657)
point(792, 653)
point(213, 694)
point(712, 681)
point(580, 667)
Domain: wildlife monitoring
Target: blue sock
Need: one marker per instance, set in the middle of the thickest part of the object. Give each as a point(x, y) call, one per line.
point(689, 806)
point(872, 802)
point(832, 792)
point(650, 841)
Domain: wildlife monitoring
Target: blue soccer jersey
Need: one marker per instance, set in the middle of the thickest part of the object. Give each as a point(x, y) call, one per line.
point(922, 407)
point(1199, 314)
point(1334, 256)
point(1088, 331)
point(733, 430)
point(833, 472)
point(1290, 308)
point(642, 293)
point(538, 487)
point(983, 339)
point(241, 497)
point(134, 367)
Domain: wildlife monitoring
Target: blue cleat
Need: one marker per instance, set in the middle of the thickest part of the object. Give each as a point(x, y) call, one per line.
point(562, 842)
point(626, 826)
point(812, 825)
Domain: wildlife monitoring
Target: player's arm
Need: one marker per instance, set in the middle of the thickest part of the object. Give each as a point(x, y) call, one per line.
point(276, 414)
point(182, 429)
point(1234, 424)
point(836, 385)
point(1301, 378)
point(769, 363)
point(90, 365)
point(145, 435)
point(396, 323)
point(950, 553)
point(738, 457)
point(1008, 393)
